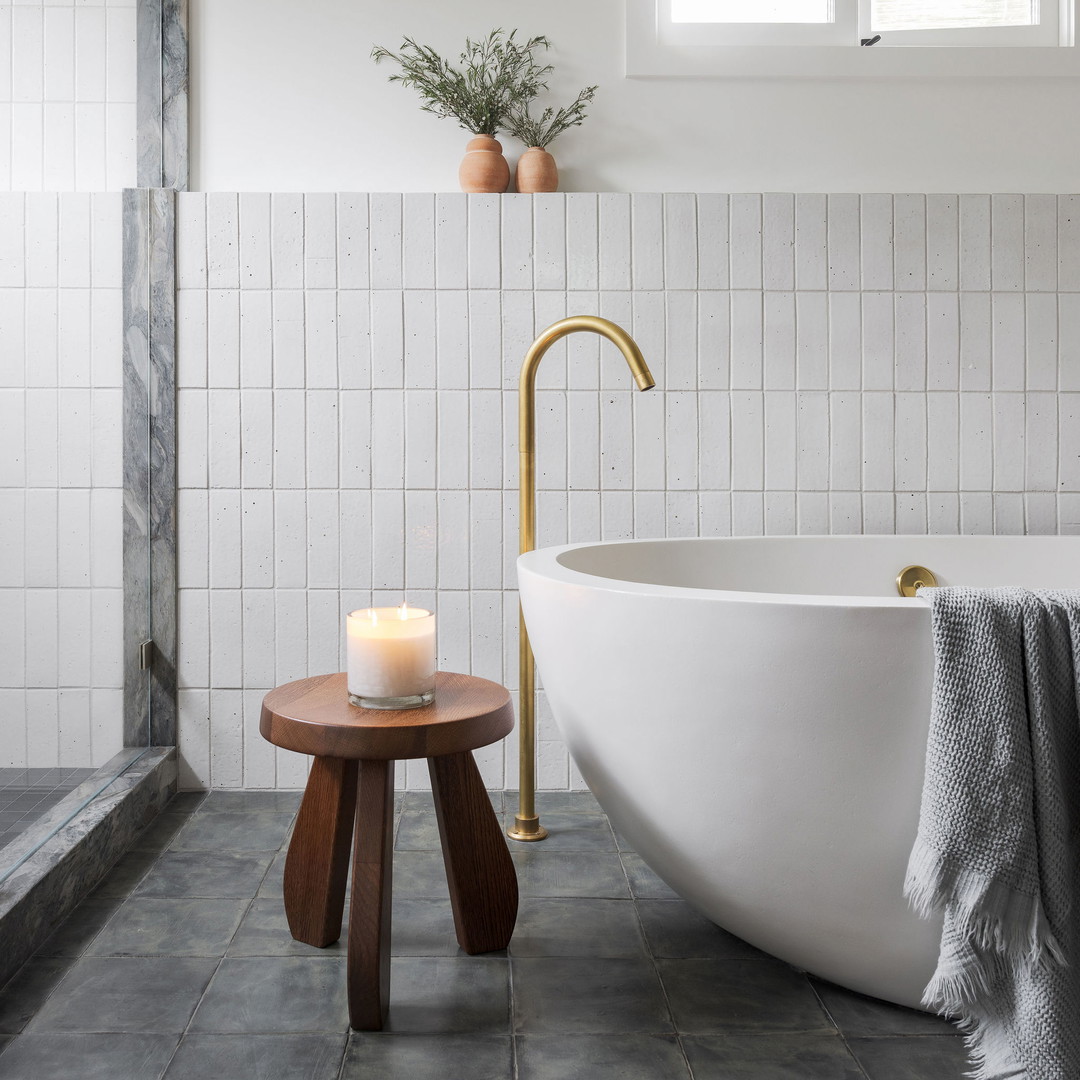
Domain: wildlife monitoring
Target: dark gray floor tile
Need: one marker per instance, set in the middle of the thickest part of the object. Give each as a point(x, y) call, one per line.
point(75, 933)
point(264, 931)
point(274, 882)
point(428, 1057)
point(132, 994)
point(167, 926)
point(258, 1057)
point(572, 831)
point(205, 873)
point(600, 1057)
point(727, 997)
point(581, 802)
point(251, 831)
point(855, 1014)
point(160, 832)
point(423, 928)
point(418, 831)
point(275, 995)
point(912, 1057)
point(772, 1057)
point(644, 884)
point(5, 1040)
point(25, 992)
point(417, 800)
point(420, 874)
point(185, 802)
point(229, 801)
point(566, 927)
point(443, 995)
point(569, 873)
point(127, 873)
point(674, 929)
point(61, 1056)
point(578, 995)
point(621, 842)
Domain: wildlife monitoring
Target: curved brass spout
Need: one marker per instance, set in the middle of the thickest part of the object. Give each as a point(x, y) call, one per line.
point(527, 824)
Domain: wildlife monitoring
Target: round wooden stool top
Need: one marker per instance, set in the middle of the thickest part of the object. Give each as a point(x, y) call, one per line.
point(314, 716)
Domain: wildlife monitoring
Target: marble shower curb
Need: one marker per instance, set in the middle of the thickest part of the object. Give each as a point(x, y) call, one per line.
point(57, 877)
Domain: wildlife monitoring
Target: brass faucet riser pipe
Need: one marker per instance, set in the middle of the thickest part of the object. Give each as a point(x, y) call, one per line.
point(527, 825)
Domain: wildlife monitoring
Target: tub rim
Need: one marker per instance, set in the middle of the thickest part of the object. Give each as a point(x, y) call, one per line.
point(546, 562)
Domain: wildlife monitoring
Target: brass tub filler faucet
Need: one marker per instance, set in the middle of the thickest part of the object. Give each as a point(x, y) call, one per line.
point(527, 824)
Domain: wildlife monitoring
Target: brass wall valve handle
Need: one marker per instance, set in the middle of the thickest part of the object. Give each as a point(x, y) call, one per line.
point(912, 578)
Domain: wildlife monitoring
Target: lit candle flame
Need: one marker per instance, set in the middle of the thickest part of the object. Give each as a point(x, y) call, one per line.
point(403, 611)
point(374, 617)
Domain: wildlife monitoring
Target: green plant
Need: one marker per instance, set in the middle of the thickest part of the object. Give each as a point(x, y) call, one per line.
point(495, 75)
point(542, 130)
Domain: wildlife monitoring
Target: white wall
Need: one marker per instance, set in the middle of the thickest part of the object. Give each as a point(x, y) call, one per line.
point(61, 481)
point(284, 98)
point(67, 95)
point(347, 406)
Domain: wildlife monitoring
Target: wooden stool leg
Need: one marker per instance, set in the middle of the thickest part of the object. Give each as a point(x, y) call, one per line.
point(372, 889)
point(479, 870)
point(317, 865)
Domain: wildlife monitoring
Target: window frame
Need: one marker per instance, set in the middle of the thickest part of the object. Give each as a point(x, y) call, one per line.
point(651, 51)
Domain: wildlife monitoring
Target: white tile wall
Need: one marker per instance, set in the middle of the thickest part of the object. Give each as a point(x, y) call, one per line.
point(67, 95)
point(61, 615)
point(348, 371)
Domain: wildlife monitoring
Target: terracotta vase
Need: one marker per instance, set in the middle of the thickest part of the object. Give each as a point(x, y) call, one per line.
point(484, 169)
point(536, 171)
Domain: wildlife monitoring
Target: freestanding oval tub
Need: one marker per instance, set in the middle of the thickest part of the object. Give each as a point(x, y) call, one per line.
point(752, 715)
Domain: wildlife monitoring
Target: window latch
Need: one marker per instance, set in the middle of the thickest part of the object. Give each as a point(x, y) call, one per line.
point(870, 40)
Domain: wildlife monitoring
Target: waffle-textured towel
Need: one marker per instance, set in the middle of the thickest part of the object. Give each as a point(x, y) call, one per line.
point(997, 848)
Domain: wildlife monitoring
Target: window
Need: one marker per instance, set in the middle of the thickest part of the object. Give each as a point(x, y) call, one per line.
point(801, 38)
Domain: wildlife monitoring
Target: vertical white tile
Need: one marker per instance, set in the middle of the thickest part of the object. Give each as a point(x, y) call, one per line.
point(779, 341)
point(256, 338)
point(910, 433)
point(747, 340)
point(781, 513)
point(745, 212)
point(226, 638)
point(909, 226)
point(289, 428)
point(453, 435)
point(876, 237)
point(193, 436)
point(354, 339)
point(452, 354)
point(1068, 427)
point(42, 239)
point(911, 513)
point(485, 540)
point(878, 451)
point(747, 440)
point(1042, 341)
point(942, 341)
point(27, 147)
point(191, 339)
point(386, 229)
point(222, 240)
point(680, 241)
point(260, 757)
point(812, 341)
point(1068, 241)
point(1069, 341)
point(73, 367)
point(354, 508)
point(712, 241)
point(747, 513)
point(287, 240)
point(387, 439)
point(614, 240)
point(1009, 514)
point(1040, 243)
point(976, 328)
point(226, 571)
point(190, 240)
point(75, 233)
point(320, 338)
point(517, 241)
point(254, 230)
point(976, 442)
point(451, 241)
point(845, 513)
point(226, 738)
point(1007, 249)
point(1009, 442)
point(1040, 513)
point(420, 338)
point(649, 463)
point(387, 339)
point(647, 240)
point(942, 242)
point(1040, 440)
point(845, 341)
point(290, 535)
point(680, 350)
point(845, 441)
point(943, 513)
point(421, 448)
point(484, 245)
point(813, 440)
point(485, 339)
point(681, 440)
point(778, 241)
point(582, 241)
point(910, 341)
point(1008, 341)
point(549, 240)
point(975, 242)
point(323, 549)
point(781, 440)
point(105, 225)
point(811, 246)
point(879, 512)
point(193, 550)
point(943, 442)
point(320, 241)
point(355, 438)
point(257, 542)
point(322, 438)
point(387, 529)
point(843, 242)
point(353, 237)
point(223, 337)
point(714, 338)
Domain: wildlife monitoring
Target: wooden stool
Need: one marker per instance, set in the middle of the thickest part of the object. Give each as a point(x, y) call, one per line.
point(313, 716)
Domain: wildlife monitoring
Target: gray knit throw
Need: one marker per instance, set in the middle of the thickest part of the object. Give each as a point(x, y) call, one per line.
point(998, 848)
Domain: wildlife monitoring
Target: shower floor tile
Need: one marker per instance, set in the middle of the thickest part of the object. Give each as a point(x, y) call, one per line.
point(181, 967)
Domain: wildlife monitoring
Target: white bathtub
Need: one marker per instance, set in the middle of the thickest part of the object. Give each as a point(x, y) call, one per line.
point(752, 715)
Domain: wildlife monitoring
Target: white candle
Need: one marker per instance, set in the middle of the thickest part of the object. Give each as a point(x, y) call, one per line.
point(391, 657)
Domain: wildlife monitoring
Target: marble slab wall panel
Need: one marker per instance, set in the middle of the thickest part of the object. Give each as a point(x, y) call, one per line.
point(162, 94)
point(149, 517)
point(67, 96)
point(347, 369)
point(60, 479)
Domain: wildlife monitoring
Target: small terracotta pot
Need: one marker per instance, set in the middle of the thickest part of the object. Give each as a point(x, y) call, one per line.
point(536, 171)
point(484, 169)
